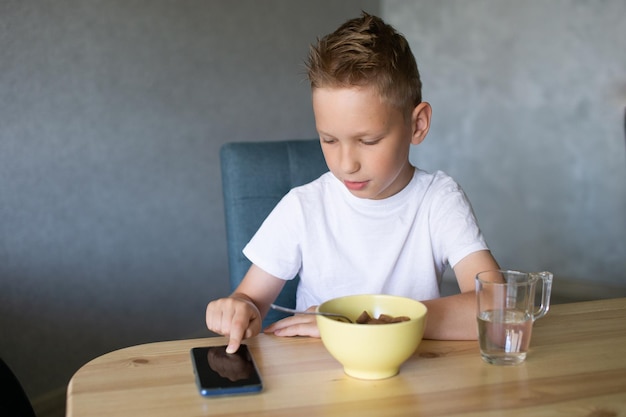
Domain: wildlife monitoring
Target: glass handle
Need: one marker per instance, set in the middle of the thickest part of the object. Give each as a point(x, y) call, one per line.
point(546, 290)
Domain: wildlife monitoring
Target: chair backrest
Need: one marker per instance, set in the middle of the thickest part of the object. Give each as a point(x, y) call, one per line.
point(13, 399)
point(255, 176)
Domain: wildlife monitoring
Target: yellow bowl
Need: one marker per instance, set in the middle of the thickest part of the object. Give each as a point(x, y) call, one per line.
point(372, 351)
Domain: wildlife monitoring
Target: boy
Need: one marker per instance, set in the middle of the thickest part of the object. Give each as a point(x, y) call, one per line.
point(374, 223)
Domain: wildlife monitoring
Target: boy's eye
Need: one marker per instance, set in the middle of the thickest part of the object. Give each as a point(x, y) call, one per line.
point(370, 142)
point(328, 140)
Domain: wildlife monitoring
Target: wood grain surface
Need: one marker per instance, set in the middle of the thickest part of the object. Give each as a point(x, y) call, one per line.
point(576, 367)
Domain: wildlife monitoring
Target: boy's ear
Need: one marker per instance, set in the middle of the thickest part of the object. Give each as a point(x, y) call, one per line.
point(420, 122)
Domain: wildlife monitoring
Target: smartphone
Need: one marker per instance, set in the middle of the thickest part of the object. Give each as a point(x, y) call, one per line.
point(220, 373)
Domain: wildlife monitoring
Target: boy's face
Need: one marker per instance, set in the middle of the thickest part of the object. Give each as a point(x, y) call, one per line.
point(365, 141)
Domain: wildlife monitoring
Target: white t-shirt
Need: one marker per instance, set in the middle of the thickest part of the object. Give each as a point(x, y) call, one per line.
point(340, 244)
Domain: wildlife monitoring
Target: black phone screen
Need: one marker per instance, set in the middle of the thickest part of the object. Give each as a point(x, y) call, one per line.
point(221, 373)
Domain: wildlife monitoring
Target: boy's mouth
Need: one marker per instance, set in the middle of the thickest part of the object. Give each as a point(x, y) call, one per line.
point(355, 185)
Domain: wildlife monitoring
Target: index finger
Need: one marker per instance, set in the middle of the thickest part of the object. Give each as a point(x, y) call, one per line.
point(238, 327)
point(234, 341)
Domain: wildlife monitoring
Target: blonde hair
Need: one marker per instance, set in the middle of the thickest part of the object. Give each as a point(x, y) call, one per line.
point(366, 51)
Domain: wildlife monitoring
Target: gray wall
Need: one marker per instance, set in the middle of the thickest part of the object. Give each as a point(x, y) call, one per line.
point(111, 117)
point(528, 115)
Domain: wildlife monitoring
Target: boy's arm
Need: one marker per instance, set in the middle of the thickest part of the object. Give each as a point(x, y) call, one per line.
point(241, 314)
point(454, 317)
point(260, 287)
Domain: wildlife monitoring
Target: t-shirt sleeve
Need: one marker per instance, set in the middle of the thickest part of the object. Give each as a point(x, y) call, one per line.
point(275, 246)
point(456, 232)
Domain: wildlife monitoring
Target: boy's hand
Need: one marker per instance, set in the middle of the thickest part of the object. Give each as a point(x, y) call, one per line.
point(296, 325)
point(235, 317)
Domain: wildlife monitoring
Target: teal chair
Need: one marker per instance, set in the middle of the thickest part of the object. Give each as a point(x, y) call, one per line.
point(255, 176)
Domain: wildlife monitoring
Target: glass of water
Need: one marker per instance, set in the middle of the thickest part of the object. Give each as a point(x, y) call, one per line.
point(506, 312)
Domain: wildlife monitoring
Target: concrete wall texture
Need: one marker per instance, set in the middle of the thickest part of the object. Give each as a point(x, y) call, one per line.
point(529, 100)
point(112, 114)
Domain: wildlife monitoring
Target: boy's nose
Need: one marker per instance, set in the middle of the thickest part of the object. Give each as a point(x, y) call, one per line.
point(349, 160)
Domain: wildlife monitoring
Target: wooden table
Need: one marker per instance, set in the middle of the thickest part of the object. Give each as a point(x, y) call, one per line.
point(576, 367)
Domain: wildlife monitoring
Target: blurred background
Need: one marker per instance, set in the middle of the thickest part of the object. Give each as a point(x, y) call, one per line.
point(112, 114)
